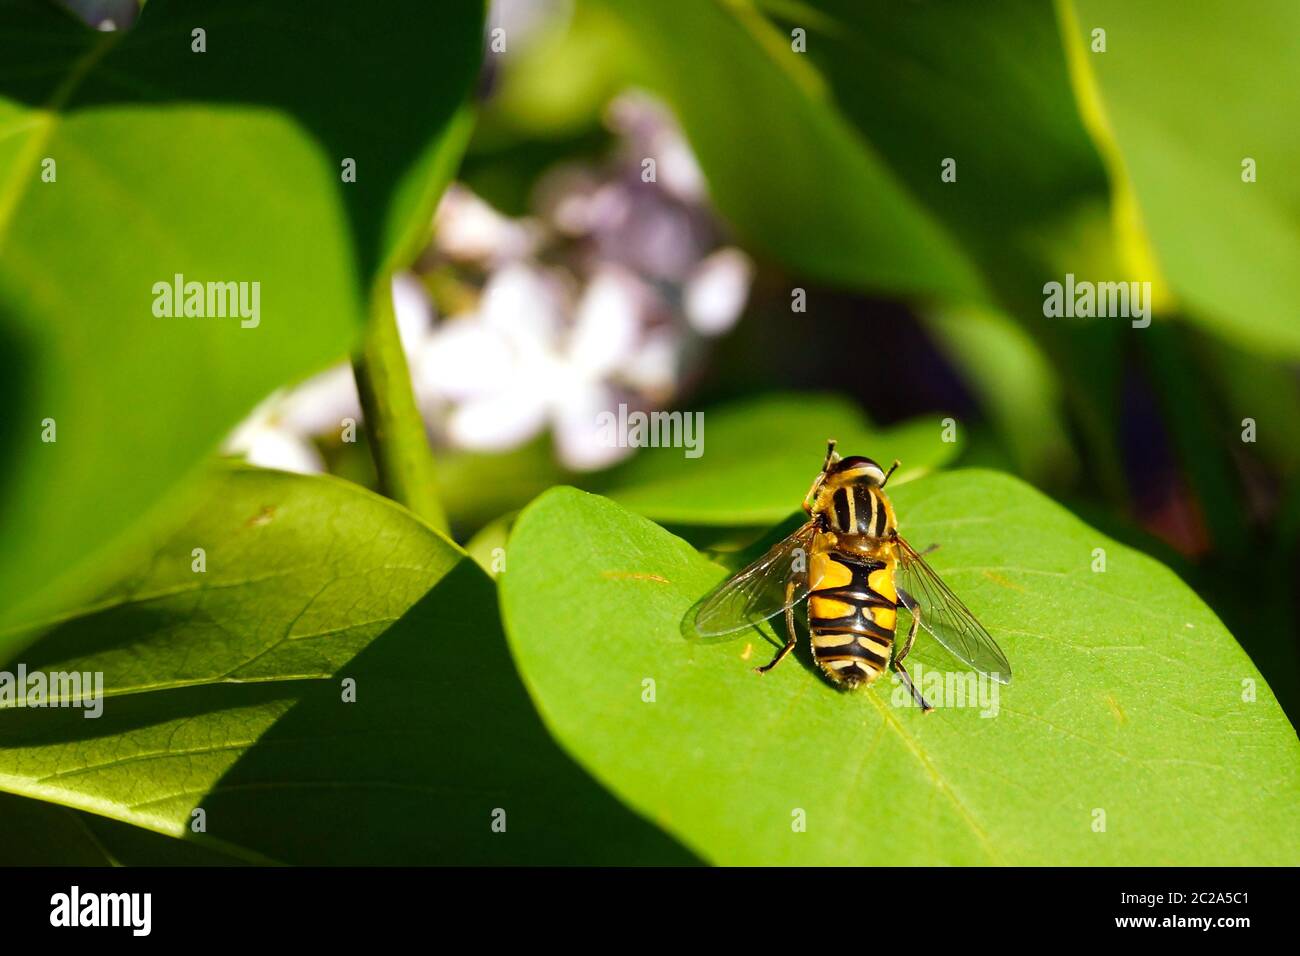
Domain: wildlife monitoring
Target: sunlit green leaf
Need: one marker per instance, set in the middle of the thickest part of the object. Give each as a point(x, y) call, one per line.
point(225, 691)
point(1189, 92)
point(1135, 731)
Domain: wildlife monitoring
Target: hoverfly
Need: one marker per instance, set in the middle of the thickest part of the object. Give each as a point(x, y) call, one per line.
point(856, 570)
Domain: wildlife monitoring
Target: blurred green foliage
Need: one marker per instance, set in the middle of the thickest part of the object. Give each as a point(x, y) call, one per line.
point(219, 166)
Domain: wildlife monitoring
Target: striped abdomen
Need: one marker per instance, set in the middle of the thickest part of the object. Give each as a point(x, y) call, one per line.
point(852, 613)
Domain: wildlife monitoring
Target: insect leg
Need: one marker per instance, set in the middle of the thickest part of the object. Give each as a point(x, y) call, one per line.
point(915, 610)
point(910, 603)
point(916, 694)
point(789, 632)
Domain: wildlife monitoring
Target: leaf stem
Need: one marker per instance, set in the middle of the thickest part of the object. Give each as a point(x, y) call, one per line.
point(394, 428)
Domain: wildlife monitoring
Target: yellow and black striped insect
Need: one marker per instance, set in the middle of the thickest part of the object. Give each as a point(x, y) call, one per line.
point(856, 571)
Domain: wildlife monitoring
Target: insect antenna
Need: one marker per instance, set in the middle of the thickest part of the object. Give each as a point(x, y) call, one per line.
point(890, 472)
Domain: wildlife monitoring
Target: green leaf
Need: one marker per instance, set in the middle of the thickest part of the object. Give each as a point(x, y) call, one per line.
point(46, 834)
point(487, 546)
point(221, 166)
point(38, 834)
point(789, 172)
point(1016, 387)
point(831, 158)
point(224, 690)
point(1127, 701)
point(1265, 391)
point(479, 486)
point(1185, 93)
point(760, 455)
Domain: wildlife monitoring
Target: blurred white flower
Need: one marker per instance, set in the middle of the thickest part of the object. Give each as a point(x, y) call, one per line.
point(466, 229)
point(320, 404)
point(579, 443)
point(557, 345)
point(485, 364)
point(609, 320)
point(278, 433)
point(633, 281)
point(569, 196)
point(524, 19)
point(531, 356)
point(663, 240)
point(649, 131)
point(413, 310)
point(626, 221)
point(265, 440)
point(277, 448)
point(654, 370)
point(717, 290)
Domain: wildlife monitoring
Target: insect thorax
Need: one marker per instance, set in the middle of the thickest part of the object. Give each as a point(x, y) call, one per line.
point(855, 507)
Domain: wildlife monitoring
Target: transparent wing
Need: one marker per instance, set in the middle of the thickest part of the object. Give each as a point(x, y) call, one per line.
point(758, 592)
point(944, 616)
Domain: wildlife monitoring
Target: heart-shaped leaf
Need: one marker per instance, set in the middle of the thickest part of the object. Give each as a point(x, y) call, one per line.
point(1135, 731)
point(228, 690)
point(211, 142)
